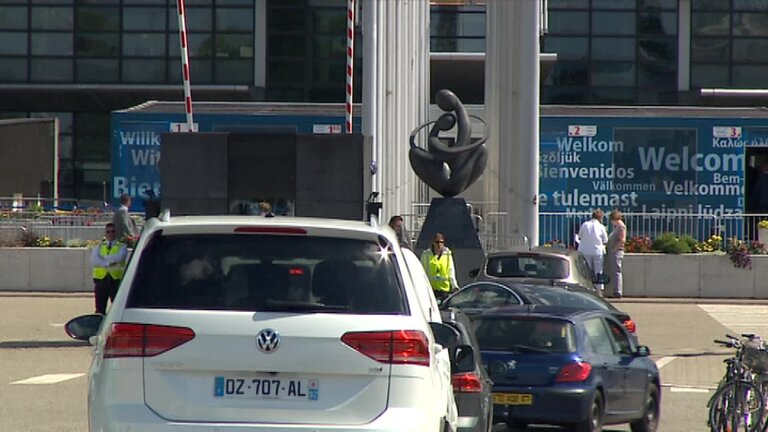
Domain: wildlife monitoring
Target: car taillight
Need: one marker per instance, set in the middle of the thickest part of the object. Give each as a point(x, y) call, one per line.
point(466, 383)
point(574, 372)
point(393, 347)
point(630, 325)
point(144, 340)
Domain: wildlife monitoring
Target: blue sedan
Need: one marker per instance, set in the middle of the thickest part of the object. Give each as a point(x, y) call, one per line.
point(569, 367)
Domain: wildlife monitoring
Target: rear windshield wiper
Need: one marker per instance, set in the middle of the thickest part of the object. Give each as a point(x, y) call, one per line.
point(526, 348)
point(302, 306)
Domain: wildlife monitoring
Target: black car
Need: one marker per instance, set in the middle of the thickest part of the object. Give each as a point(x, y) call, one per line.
point(471, 385)
point(569, 367)
point(476, 297)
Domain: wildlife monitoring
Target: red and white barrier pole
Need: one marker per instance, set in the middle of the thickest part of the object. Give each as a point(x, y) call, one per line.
point(350, 61)
point(185, 63)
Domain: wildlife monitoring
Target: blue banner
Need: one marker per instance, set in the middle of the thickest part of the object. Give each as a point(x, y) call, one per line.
point(650, 165)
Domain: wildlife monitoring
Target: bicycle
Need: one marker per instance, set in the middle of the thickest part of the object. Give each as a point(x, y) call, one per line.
point(738, 402)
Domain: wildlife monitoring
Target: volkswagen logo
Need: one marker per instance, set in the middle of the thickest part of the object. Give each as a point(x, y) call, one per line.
point(268, 341)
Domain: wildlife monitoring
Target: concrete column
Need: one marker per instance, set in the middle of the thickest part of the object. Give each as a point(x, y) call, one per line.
point(512, 111)
point(684, 45)
point(370, 80)
point(260, 44)
point(397, 84)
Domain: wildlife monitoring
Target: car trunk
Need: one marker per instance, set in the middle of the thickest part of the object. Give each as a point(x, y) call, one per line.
point(523, 369)
point(222, 375)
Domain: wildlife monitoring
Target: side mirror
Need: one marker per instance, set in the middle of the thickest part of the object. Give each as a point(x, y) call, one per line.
point(464, 359)
point(83, 327)
point(643, 351)
point(445, 335)
point(474, 272)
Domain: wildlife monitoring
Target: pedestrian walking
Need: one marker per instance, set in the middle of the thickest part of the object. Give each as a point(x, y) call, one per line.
point(615, 254)
point(108, 260)
point(122, 221)
point(438, 263)
point(592, 240)
point(397, 223)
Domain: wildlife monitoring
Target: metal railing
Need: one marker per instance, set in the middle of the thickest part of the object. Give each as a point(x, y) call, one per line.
point(68, 227)
point(562, 227)
point(27, 203)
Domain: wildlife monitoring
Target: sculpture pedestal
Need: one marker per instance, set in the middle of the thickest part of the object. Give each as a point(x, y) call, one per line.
point(450, 216)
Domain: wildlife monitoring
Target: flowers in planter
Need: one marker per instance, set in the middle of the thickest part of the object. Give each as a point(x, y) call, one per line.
point(763, 224)
point(739, 252)
point(639, 244)
point(554, 243)
point(713, 244)
point(45, 241)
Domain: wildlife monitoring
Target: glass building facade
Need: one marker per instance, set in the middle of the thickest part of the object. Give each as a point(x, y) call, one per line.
point(80, 59)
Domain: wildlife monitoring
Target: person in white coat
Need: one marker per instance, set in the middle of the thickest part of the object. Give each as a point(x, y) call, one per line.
point(592, 239)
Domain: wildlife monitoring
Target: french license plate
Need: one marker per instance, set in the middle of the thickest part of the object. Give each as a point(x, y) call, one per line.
point(512, 399)
point(266, 388)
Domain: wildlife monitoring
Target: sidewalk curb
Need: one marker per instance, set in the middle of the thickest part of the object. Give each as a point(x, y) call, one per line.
point(689, 300)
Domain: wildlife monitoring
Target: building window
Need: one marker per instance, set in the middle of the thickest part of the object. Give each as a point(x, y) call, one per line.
point(306, 46)
point(728, 42)
point(612, 51)
point(457, 29)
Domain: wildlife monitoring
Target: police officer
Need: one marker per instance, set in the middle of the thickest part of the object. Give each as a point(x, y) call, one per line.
point(438, 263)
point(108, 259)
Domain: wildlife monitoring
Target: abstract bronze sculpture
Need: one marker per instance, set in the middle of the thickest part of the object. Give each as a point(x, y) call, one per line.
point(449, 169)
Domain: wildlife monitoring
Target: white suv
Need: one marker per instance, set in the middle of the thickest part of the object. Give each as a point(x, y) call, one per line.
point(269, 324)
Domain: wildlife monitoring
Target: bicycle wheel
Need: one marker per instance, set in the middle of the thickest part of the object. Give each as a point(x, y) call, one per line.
point(736, 407)
point(764, 388)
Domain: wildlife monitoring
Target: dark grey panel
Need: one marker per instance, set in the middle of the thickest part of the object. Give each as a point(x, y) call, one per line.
point(26, 155)
point(330, 182)
point(262, 166)
point(193, 172)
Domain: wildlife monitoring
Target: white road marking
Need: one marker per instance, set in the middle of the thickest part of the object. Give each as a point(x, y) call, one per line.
point(739, 318)
point(49, 378)
point(58, 325)
point(660, 363)
point(688, 390)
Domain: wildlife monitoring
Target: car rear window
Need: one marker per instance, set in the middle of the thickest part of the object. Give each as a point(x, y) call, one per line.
point(482, 295)
point(248, 272)
point(565, 298)
point(531, 266)
point(524, 334)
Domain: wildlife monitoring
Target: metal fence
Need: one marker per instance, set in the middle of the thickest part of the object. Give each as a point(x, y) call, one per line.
point(562, 227)
point(67, 226)
point(21, 203)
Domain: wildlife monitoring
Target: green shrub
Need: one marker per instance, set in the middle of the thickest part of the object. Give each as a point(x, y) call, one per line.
point(689, 241)
point(73, 243)
point(670, 243)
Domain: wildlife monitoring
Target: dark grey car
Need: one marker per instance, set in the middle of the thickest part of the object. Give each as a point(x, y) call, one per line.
point(556, 265)
point(471, 385)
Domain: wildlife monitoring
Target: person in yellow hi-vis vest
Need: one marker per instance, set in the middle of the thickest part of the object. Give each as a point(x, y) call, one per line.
point(438, 263)
point(108, 259)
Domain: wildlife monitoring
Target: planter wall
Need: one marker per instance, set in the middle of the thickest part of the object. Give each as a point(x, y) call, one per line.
point(45, 269)
point(645, 275)
point(694, 275)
